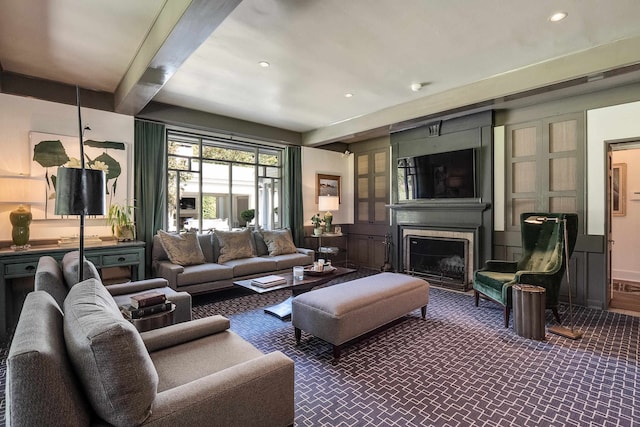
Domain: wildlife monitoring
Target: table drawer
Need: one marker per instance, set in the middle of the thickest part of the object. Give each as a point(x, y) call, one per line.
point(122, 259)
point(21, 269)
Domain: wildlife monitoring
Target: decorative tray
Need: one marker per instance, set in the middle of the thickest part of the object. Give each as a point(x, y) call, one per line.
point(311, 272)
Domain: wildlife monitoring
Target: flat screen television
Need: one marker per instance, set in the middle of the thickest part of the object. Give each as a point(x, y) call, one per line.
point(449, 175)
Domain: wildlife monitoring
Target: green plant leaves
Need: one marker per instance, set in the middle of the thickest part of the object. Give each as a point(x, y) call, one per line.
point(50, 153)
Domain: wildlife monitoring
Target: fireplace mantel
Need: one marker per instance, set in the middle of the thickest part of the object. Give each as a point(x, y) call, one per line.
point(437, 205)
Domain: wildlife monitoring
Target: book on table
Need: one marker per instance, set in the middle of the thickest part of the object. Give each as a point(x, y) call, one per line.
point(269, 281)
point(147, 299)
point(130, 312)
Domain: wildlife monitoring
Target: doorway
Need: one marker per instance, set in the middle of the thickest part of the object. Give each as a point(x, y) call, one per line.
point(623, 196)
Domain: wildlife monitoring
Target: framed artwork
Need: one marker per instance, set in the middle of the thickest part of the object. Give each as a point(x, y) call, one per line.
point(619, 189)
point(328, 185)
point(50, 151)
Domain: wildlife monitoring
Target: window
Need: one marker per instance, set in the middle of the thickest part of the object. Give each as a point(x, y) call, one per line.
point(212, 181)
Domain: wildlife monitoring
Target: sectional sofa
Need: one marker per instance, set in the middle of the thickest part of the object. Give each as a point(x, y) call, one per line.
point(202, 263)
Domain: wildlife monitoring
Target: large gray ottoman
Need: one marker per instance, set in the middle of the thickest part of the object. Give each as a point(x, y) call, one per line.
point(338, 314)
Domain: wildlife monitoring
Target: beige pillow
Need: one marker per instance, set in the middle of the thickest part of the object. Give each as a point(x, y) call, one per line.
point(108, 355)
point(182, 249)
point(234, 245)
point(279, 242)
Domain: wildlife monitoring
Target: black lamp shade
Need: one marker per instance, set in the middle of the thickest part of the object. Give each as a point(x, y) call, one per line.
point(80, 191)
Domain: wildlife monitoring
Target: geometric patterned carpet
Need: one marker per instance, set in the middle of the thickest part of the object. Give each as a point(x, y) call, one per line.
point(459, 367)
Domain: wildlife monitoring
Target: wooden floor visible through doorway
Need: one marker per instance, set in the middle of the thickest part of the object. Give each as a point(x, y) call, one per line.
point(626, 295)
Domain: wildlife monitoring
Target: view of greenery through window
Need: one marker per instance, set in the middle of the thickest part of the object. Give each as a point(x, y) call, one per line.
point(217, 184)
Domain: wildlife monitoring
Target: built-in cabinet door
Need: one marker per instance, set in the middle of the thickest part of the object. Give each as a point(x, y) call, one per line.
point(366, 251)
point(372, 187)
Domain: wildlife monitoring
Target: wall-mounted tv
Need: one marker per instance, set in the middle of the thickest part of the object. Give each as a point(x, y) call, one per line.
point(448, 175)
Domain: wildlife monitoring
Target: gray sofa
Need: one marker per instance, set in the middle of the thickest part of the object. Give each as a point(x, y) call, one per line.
point(89, 366)
point(213, 275)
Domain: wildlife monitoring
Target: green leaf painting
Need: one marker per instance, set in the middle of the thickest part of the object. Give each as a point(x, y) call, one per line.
point(53, 151)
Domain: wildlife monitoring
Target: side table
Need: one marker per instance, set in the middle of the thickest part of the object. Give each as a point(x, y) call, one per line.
point(154, 321)
point(528, 311)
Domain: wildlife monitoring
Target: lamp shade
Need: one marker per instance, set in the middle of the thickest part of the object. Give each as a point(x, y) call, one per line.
point(80, 191)
point(22, 189)
point(328, 203)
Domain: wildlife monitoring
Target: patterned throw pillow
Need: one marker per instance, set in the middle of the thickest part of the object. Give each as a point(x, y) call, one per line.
point(234, 245)
point(182, 249)
point(279, 242)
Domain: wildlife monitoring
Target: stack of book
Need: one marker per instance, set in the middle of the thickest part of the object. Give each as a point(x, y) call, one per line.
point(146, 304)
point(269, 281)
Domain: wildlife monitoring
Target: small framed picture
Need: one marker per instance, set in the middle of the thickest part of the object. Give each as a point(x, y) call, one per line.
point(337, 229)
point(328, 185)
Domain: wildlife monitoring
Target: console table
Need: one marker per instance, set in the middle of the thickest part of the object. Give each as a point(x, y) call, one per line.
point(17, 264)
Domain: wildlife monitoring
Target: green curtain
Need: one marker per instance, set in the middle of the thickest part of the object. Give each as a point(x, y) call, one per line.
point(293, 213)
point(150, 183)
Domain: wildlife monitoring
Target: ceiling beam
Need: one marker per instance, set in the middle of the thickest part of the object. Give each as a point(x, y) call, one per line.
point(181, 27)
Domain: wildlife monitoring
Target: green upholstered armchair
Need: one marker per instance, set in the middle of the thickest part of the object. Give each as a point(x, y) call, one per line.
point(542, 263)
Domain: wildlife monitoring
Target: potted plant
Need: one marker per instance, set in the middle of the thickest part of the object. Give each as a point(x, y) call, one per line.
point(317, 224)
point(247, 216)
point(120, 218)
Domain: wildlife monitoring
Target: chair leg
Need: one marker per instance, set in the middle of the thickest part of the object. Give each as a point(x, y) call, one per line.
point(556, 314)
point(476, 296)
point(507, 313)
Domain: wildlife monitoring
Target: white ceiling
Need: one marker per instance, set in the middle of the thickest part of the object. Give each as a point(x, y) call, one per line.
point(464, 51)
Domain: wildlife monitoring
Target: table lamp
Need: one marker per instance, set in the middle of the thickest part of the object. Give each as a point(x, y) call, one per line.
point(21, 190)
point(328, 204)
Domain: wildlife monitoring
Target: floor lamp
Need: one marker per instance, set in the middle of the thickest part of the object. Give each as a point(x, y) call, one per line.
point(80, 191)
point(559, 329)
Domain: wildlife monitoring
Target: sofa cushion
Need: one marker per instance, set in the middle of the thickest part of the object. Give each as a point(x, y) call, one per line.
point(247, 266)
point(261, 246)
point(41, 388)
point(49, 278)
point(288, 261)
point(279, 242)
point(204, 273)
point(235, 245)
point(109, 356)
point(70, 265)
point(182, 249)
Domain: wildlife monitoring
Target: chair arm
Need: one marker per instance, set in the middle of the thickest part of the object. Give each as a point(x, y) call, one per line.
point(140, 285)
point(537, 278)
point(169, 271)
point(308, 252)
point(258, 392)
point(179, 333)
point(501, 266)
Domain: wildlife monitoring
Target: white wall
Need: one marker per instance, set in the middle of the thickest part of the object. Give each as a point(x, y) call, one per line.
point(625, 230)
point(604, 124)
point(19, 116)
point(316, 161)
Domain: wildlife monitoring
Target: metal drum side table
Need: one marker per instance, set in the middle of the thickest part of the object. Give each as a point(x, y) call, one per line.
point(528, 311)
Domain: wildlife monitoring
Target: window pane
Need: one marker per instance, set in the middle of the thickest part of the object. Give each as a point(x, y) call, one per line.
point(242, 192)
point(231, 154)
point(268, 203)
point(271, 159)
point(189, 187)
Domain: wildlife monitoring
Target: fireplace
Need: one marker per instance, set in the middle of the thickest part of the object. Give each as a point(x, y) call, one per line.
point(443, 257)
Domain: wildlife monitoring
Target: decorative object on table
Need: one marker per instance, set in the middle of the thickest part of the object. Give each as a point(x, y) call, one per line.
point(22, 191)
point(120, 218)
point(559, 329)
point(80, 191)
point(387, 253)
point(337, 229)
point(316, 271)
point(74, 241)
point(298, 272)
point(131, 312)
point(317, 224)
point(148, 299)
point(328, 204)
point(269, 281)
point(247, 216)
point(327, 185)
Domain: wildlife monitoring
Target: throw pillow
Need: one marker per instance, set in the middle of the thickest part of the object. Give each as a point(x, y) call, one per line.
point(234, 245)
point(108, 355)
point(279, 242)
point(70, 266)
point(182, 249)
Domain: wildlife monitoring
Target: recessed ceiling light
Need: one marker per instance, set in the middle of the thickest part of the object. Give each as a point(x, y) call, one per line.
point(558, 16)
point(348, 95)
point(264, 64)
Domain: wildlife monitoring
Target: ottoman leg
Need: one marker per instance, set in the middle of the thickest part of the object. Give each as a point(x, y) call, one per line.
point(423, 311)
point(336, 352)
point(298, 333)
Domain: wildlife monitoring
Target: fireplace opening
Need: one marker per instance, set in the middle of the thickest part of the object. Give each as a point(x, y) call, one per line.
point(441, 259)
